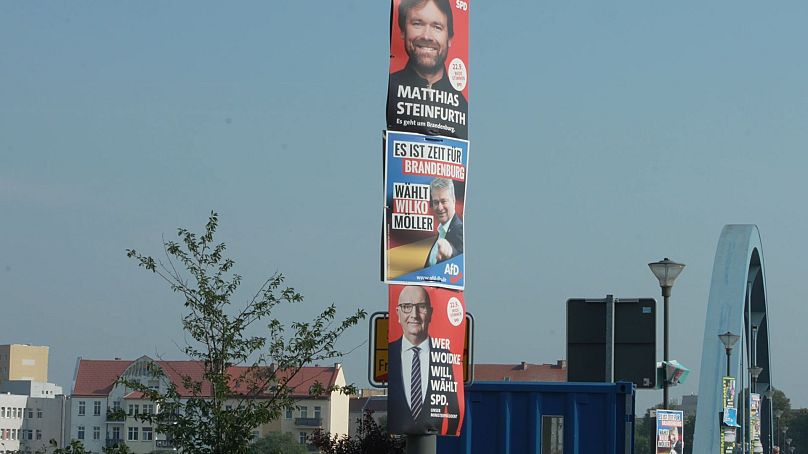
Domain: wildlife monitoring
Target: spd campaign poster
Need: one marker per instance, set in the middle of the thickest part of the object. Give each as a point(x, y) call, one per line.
point(670, 432)
point(425, 193)
point(426, 336)
point(428, 87)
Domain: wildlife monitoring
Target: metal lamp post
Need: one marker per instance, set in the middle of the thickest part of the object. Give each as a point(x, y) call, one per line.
point(754, 372)
point(769, 394)
point(778, 414)
point(729, 339)
point(666, 271)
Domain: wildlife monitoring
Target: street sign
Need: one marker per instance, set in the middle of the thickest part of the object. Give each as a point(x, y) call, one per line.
point(378, 355)
point(611, 340)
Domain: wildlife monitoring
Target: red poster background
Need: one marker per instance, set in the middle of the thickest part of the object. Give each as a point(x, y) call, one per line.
point(459, 47)
point(438, 327)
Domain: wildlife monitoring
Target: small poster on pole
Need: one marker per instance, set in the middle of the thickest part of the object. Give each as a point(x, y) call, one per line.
point(669, 432)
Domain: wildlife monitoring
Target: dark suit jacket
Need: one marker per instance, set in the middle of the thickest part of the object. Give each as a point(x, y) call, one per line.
point(399, 418)
point(454, 236)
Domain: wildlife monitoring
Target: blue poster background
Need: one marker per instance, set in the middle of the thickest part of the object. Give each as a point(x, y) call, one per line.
point(412, 162)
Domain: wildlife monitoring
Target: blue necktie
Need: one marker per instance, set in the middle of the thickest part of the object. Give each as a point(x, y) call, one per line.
point(415, 384)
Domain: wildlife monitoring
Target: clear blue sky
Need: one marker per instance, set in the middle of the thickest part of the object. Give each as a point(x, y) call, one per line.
point(603, 136)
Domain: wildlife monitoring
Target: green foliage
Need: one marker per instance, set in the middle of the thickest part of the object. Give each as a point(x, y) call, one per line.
point(197, 269)
point(370, 438)
point(76, 447)
point(278, 443)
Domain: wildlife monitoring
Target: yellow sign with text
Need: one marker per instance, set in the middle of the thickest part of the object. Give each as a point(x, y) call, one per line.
point(379, 323)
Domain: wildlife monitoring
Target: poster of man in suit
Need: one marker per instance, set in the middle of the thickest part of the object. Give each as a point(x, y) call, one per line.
point(425, 375)
point(425, 189)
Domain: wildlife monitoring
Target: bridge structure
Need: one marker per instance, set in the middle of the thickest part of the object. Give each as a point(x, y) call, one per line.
point(738, 304)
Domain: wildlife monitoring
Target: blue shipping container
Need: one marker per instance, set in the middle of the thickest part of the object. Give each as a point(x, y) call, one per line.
point(545, 418)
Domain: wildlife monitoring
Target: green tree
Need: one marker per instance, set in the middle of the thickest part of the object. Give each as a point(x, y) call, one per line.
point(256, 392)
point(76, 447)
point(371, 438)
point(278, 443)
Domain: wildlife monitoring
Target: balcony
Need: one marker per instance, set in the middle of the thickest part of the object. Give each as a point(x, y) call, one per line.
point(114, 416)
point(309, 422)
point(112, 442)
point(164, 444)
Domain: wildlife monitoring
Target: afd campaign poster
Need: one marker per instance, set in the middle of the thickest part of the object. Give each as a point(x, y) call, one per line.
point(425, 193)
point(428, 88)
point(425, 338)
point(670, 432)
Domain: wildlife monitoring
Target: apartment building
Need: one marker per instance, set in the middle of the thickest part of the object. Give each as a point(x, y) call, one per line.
point(103, 413)
point(27, 422)
point(23, 362)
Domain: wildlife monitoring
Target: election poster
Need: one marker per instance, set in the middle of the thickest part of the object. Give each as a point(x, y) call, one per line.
point(428, 89)
point(670, 432)
point(425, 193)
point(754, 426)
point(729, 423)
point(425, 368)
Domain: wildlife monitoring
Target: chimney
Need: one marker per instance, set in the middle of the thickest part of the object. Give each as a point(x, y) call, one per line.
point(523, 366)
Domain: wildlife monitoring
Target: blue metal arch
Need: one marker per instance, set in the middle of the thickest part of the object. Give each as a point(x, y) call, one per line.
point(737, 303)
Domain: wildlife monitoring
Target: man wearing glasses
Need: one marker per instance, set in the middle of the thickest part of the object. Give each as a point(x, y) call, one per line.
point(409, 403)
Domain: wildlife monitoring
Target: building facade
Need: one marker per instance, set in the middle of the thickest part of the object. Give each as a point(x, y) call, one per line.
point(106, 413)
point(23, 362)
point(28, 424)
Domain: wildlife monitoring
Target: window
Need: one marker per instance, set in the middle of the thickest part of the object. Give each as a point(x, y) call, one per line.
point(148, 409)
point(116, 405)
point(81, 433)
point(96, 433)
point(2, 412)
point(116, 433)
point(147, 434)
point(19, 412)
point(30, 434)
point(289, 413)
point(97, 408)
point(552, 435)
point(39, 414)
point(30, 413)
point(38, 434)
point(317, 411)
point(304, 412)
point(302, 438)
point(133, 432)
point(81, 408)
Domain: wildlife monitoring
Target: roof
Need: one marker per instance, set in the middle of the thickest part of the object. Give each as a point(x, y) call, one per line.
point(374, 404)
point(523, 372)
point(95, 378)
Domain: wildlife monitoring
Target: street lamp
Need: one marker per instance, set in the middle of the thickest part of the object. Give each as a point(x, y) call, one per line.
point(729, 340)
point(778, 414)
point(755, 371)
point(666, 271)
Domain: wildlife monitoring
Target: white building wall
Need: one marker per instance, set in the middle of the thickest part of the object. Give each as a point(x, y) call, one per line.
point(339, 408)
point(44, 421)
point(12, 410)
point(88, 422)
